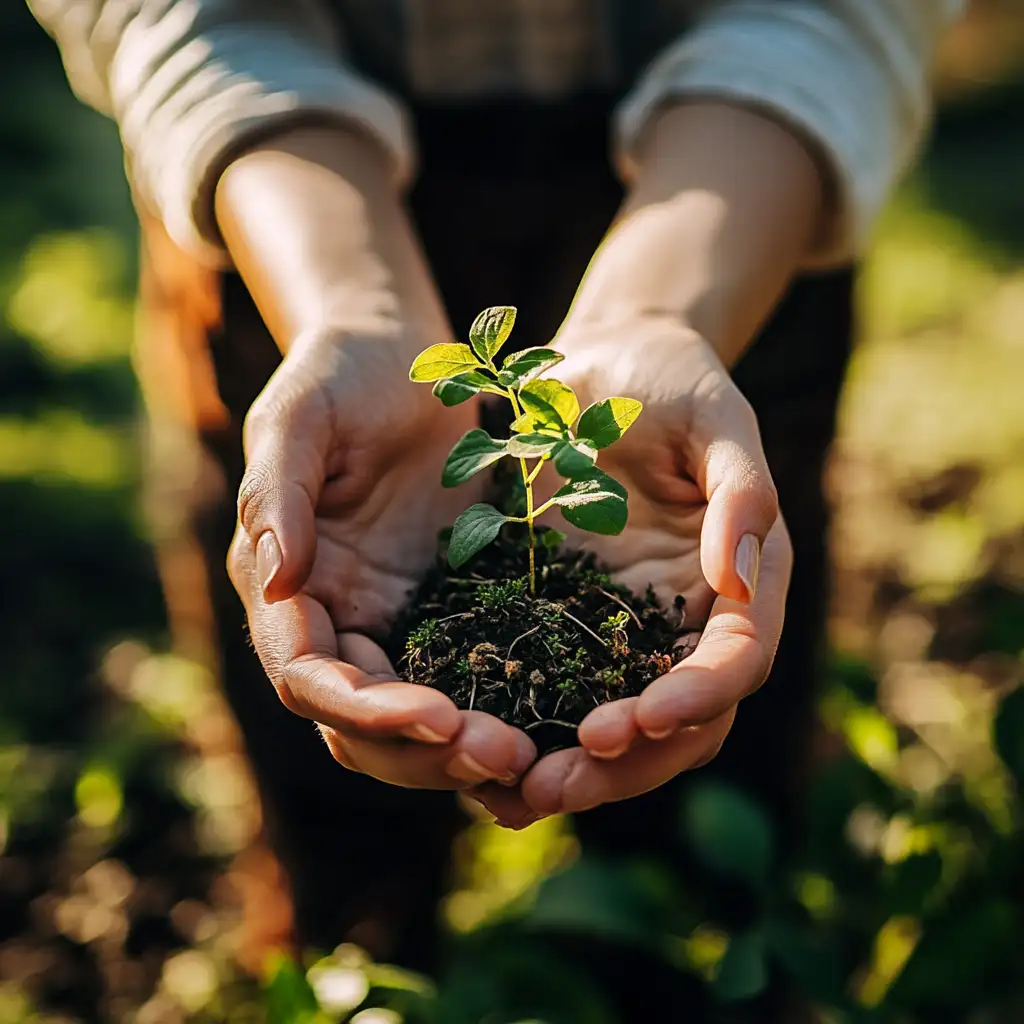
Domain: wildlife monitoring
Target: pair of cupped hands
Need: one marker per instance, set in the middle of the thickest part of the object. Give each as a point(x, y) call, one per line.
point(339, 513)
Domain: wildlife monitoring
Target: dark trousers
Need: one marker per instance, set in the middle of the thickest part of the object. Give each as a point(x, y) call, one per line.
point(365, 861)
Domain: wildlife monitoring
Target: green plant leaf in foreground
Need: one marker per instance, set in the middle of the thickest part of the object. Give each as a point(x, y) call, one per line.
point(531, 446)
point(573, 459)
point(550, 403)
point(594, 502)
point(440, 361)
point(473, 530)
point(521, 367)
point(474, 451)
point(455, 390)
point(603, 423)
point(491, 329)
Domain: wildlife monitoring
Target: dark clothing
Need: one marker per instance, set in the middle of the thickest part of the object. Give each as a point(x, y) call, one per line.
point(367, 861)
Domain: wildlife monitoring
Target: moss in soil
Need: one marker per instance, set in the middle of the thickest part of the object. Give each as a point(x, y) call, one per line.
point(539, 662)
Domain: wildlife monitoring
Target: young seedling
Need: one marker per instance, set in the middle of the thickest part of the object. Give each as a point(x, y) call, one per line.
point(548, 427)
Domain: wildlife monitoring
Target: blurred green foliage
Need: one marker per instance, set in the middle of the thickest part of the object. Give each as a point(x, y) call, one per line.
point(905, 901)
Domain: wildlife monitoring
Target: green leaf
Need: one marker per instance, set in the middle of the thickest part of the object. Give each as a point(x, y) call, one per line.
point(551, 403)
point(594, 502)
point(597, 897)
point(528, 424)
point(1008, 734)
point(473, 530)
point(491, 329)
point(440, 361)
point(810, 959)
point(552, 539)
point(521, 367)
point(909, 882)
point(474, 451)
point(605, 422)
point(742, 972)
point(972, 942)
point(574, 459)
point(455, 390)
point(531, 446)
point(729, 833)
point(288, 996)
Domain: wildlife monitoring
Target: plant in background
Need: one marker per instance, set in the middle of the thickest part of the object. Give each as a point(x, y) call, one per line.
point(545, 430)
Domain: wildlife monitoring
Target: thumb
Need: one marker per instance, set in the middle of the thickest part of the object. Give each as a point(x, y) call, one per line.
point(285, 448)
point(742, 502)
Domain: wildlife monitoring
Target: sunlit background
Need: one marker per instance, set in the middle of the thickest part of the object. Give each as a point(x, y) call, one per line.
point(133, 885)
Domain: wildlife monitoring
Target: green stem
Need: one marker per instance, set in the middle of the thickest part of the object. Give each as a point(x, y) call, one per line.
point(528, 484)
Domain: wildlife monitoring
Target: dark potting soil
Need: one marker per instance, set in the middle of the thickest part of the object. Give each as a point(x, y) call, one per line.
point(539, 662)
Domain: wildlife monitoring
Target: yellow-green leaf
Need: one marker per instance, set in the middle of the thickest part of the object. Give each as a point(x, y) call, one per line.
point(521, 367)
point(605, 422)
point(440, 361)
point(531, 446)
point(491, 329)
point(551, 403)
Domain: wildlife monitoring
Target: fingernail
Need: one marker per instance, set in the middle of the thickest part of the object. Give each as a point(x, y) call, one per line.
point(659, 734)
point(609, 755)
point(268, 558)
point(509, 779)
point(424, 734)
point(526, 754)
point(468, 769)
point(748, 562)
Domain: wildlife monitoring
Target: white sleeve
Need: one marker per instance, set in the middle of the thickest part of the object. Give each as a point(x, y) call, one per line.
point(850, 75)
point(189, 82)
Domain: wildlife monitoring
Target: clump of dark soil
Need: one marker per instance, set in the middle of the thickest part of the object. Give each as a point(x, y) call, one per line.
point(539, 662)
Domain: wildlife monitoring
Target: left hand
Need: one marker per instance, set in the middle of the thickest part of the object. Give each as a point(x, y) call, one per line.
point(704, 523)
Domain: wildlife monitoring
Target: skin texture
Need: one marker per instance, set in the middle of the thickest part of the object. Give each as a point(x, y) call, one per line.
point(341, 500)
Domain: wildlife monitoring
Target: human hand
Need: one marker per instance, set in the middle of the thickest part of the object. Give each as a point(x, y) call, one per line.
point(704, 523)
point(339, 511)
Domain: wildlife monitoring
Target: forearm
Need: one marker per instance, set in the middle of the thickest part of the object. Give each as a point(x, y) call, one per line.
point(316, 228)
point(724, 206)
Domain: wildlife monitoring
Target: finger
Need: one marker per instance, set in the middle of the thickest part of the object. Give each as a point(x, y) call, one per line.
point(286, 438)
point(485, 750)
point(742, 503)
point(296, 643)
point(733, 656)
point(571, 781)
point(507, 805)
point(609, 730)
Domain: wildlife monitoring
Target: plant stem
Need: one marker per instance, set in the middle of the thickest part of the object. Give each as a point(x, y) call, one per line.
point(528, 484)
point(536, 471)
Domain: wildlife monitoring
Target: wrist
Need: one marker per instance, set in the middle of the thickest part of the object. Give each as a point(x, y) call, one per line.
point(716, 223)
point(318, 232)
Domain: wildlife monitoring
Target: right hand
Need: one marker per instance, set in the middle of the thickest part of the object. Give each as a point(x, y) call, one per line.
point(339, 511)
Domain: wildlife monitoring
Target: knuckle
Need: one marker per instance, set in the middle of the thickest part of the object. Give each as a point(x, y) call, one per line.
point(261, 418)
point(288, 695)
point(254, 494)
